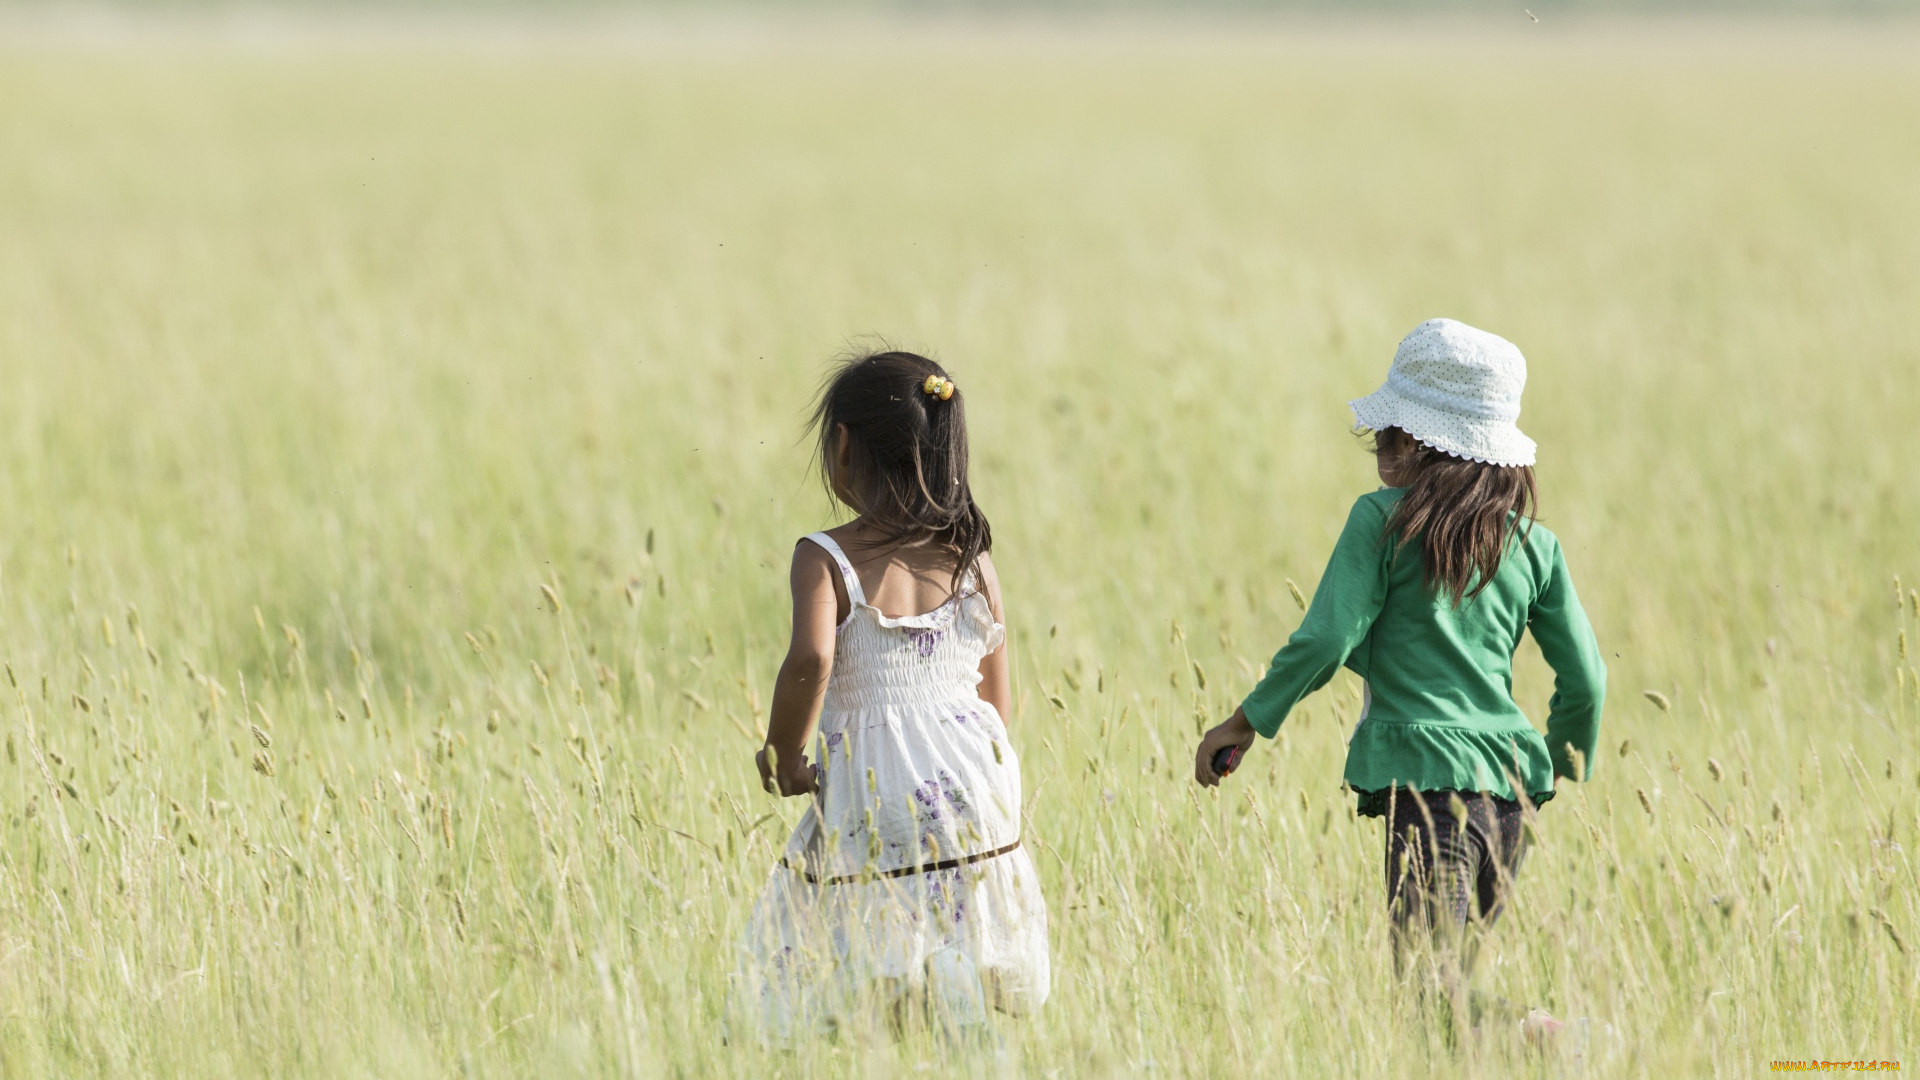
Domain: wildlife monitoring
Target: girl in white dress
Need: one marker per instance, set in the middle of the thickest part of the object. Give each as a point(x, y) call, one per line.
point(904, 895)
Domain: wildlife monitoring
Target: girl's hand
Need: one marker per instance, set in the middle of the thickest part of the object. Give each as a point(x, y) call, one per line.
point(1235, 731)
point(789, 774)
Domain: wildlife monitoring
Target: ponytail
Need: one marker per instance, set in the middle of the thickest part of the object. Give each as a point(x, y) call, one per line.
point(906, 473)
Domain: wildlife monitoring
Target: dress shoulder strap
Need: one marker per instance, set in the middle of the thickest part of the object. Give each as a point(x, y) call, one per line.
point(854, 593)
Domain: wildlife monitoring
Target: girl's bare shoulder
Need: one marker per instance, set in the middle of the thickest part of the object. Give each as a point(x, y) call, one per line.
point(812, 565)
point(989, 577)
point(990, 584)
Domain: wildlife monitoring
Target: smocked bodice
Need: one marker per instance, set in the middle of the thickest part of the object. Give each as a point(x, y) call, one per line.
point(916, 659)
point(928, 658)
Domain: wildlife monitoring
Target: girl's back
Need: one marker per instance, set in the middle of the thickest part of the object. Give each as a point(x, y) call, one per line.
point(900, 580)
point(1456, 661)
point(1438, 665)
point(915, 769)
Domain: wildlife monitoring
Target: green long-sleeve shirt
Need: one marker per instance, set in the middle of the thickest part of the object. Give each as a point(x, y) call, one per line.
point(1441, 713)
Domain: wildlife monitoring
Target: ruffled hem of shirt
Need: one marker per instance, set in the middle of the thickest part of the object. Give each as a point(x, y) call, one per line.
point(1445, 757)
point(1378, 803)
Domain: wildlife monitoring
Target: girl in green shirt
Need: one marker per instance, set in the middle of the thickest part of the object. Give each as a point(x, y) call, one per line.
point(1431, 585)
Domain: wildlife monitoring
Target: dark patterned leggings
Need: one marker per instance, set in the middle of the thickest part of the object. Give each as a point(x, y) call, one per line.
point(1451, 858)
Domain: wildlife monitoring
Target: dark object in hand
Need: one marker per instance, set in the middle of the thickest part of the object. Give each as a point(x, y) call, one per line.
point(1227, 759)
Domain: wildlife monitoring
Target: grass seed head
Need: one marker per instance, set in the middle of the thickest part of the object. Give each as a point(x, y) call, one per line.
point(1892, 933)
point(263, 763)
point(1299, 598)
point(1659, 700)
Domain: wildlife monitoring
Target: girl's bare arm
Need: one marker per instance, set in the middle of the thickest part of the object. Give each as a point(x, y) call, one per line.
point(802, 684)
point(996, 670)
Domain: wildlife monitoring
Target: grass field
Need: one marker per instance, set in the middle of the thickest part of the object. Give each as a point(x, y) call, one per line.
point(324, 351)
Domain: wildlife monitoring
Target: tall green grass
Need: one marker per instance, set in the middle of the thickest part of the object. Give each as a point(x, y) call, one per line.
point(322, 357)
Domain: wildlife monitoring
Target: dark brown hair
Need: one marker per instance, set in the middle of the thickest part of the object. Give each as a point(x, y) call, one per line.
point(907, 469)
point(1463, 514)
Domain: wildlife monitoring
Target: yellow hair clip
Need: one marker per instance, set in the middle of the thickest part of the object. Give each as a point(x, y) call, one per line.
point(935, 386)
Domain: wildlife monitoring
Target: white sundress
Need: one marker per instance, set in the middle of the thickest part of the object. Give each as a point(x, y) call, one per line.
point(906, 875)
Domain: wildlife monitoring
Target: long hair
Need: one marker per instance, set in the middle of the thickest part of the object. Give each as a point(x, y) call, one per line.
point(1464, 515)
point(907, 468)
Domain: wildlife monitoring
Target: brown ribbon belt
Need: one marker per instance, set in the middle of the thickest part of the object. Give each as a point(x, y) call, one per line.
point(904, 871)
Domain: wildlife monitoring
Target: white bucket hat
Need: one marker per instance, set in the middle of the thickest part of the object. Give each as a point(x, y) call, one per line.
point(1455, 389)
